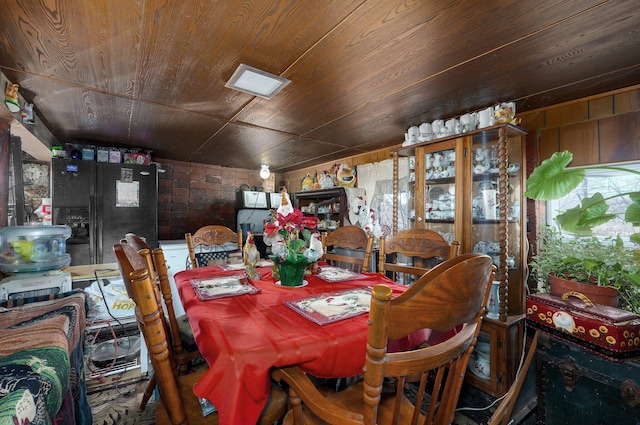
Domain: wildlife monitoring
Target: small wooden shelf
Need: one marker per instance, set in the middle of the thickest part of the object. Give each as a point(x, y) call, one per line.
point(335, 197)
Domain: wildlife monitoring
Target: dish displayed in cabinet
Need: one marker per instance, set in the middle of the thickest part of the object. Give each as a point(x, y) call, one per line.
point(440, 202)
point(439, 165)
point(492, 249)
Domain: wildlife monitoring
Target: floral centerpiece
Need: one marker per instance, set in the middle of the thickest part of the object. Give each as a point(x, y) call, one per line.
point(293, 247)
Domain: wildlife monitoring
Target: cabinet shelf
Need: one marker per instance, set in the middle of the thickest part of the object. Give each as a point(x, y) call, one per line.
point(446, 180)
point(438, 220)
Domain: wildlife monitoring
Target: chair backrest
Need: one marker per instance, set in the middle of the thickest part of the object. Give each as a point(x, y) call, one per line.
point(136, 242)
point(348, 237)
point(151, 323)
point(130, 259)
point(209, 241)
point(421, 248)
point(452, 293)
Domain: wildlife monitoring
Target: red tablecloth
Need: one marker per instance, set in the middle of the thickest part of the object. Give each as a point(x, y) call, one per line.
point(243, 337)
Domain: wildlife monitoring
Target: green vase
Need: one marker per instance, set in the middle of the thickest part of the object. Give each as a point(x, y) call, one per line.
point(292, 271)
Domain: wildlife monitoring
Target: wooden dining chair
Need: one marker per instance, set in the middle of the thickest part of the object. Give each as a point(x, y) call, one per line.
point(129, 259)
point(453, 293)
point(206, 244)
point(502, 414)
point(158, 264)
point(178, 404)
point(348, 237)
point(410, 253)
point(132, 254)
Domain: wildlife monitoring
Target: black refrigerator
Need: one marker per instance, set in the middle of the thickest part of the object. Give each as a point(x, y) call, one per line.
point(102, 202)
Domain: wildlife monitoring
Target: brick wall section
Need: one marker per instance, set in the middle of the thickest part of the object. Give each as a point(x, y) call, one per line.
point(192, 195)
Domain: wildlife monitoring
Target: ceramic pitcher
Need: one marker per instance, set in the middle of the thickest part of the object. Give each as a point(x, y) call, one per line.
point(469, 121)
point(485, 117)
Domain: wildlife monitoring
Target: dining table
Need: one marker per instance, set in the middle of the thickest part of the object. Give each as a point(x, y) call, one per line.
point(242, 337)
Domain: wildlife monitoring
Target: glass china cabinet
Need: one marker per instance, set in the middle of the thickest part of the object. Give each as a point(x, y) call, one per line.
point(468, 187)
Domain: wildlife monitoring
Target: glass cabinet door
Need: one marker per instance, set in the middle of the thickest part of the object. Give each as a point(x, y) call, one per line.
point(438, 212)
point(496, 201)
point(435, 178)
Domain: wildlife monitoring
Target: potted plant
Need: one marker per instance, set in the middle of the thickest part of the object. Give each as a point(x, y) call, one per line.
point(603, 270)
point(584, 258)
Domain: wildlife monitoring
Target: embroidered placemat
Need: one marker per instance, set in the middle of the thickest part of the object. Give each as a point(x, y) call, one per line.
point(211, 288)
point(338, 274)
point(333, 306)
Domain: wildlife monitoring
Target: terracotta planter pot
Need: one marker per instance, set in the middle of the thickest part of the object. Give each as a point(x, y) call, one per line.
point(597, 294)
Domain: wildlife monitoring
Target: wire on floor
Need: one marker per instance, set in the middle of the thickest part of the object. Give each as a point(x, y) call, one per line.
point(101, 375)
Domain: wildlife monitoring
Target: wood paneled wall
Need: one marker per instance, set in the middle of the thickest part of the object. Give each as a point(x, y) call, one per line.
point(599, 129)
point(192, 195)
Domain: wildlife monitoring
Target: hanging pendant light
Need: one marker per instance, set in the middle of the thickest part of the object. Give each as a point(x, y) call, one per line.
point(264, 171)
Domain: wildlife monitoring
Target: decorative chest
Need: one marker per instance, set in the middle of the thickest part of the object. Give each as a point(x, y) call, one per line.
point(577, 386)
point(606, 330)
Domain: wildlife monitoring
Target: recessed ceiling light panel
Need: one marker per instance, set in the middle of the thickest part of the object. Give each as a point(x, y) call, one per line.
point(255, 81)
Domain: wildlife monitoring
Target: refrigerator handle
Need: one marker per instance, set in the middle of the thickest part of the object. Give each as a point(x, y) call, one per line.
point(92, 229)
point(95, 238)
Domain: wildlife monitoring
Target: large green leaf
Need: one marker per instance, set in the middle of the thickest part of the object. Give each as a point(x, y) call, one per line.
point(594, 211)
point(632, 214)
point(296, 245)
point(590, 213)
point(551, 179)
point(569, 220)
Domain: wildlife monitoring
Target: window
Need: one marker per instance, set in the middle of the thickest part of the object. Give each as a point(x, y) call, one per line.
point(608, 183)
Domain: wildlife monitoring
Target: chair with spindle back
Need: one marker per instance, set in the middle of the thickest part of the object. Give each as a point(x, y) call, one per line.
point(348, 237)
point(454, 294)
point(137, 252)
point(206, 245)
point(410, 253)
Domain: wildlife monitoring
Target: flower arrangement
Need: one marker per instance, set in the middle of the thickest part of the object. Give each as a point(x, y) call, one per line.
point(288, 233)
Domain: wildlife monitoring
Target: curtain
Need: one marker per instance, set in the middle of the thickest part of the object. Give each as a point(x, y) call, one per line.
point(377, 180)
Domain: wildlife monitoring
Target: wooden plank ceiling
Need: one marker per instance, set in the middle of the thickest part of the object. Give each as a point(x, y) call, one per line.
point(151, 73)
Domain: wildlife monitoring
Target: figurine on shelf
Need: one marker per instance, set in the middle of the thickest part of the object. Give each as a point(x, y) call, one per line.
point(250, 255)
point(27, 114)
point(307, 182)
point(326, 180)
point(315, 250)
point(11, 97)
point(346, 175)
point(506, 112)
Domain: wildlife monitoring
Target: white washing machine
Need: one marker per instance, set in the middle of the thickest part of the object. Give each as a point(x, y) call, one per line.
point(176, 255)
